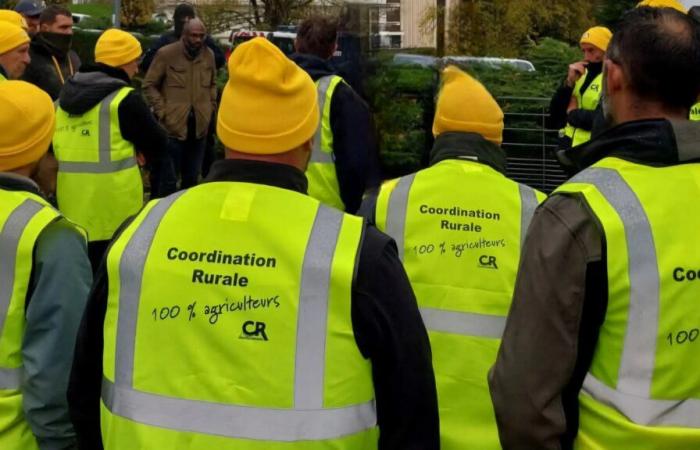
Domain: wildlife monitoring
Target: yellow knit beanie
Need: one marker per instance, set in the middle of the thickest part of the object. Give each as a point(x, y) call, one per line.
point(116, 48)
point(464, 105)
point(26, 124)
point(11, 37)
point(7, 15)
point(664, 4)
point(597, 36)
point(269, 104)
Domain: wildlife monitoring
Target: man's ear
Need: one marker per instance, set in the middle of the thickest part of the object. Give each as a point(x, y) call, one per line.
point(614, 77)
point(296, 45)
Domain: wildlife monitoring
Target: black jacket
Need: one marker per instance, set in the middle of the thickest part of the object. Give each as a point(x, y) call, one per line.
point(386, 323)
point(354, 142)
point(136, 122)
point(561, 294)
point(169, 38)
point(42, 70)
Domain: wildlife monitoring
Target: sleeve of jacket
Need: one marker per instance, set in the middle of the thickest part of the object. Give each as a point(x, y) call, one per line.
point(581, 118)
point(75, 60)
point(558, 106)
point(354, 146)
point(152, 84)
point(390, 332)
point(140, 127)
point(61, 281)
point(551, 331)
point(219, 57)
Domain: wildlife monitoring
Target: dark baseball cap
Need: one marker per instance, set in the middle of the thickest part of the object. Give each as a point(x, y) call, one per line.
point(30, 7)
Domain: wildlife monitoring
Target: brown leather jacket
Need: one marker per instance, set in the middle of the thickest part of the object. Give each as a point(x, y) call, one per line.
point(176, 84)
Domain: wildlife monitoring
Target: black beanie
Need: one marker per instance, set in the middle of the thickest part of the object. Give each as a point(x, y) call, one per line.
point(181, 11)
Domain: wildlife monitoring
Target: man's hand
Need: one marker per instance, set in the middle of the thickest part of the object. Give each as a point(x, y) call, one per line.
point(576, 71)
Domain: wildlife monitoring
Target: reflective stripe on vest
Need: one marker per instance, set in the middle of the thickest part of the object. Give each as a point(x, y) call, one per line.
point(321, 173)
point(307, 421)
point(632, 396)
point(10, 378)
point(105, 164)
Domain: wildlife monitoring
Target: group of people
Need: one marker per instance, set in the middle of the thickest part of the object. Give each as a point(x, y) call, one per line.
point(288, 301)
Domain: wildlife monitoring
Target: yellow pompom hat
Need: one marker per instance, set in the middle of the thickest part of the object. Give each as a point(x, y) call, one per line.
point(598, 36)
point(26, 124)
point(7, 15)
point(464, 105)
point(678, 6)
point(116, 48)
point(269, 104)
point(11, 37)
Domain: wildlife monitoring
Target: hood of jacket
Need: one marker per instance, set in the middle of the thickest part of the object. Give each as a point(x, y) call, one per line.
point(90, 86)
point(313, 65)
point(657, 142)
point(468, 146)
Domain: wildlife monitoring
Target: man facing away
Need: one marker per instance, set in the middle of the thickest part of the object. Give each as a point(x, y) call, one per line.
point(45, 278)
point(103, 127)
point(459, 226)
point(279, 326)
point(53, 61)
point(14, 51)
point(344, 162)
point(600, 349)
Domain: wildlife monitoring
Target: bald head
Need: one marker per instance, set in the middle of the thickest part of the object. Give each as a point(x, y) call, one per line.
point(193, 35)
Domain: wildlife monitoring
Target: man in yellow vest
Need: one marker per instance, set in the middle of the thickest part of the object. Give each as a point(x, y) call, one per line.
point(14, 50)
point(573, 106)
point(600, 347)
point(459, 225)
point(344, 162)
point(45, 277)
point(242, 314)
point(103, 127)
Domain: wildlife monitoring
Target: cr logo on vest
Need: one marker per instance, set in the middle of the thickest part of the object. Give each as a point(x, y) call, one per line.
point(487, 262)
point(254, 330)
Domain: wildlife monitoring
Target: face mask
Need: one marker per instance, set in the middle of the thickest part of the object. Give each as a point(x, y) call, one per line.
point(192, 51)
point(58, 43)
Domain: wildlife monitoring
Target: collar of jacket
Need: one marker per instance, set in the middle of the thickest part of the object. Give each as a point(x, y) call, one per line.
point(313, 65)
point(13, 182)
point(654, 142)
point(89, 87)
point(468, 146)
point(258, 172)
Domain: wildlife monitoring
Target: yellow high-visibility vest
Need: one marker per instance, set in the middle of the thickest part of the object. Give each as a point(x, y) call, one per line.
point(238, 338)
point(459, 226)
point(99, 184)
point(695, 113)
point(323, 180)
point(23, 216)
point(640, 391)
point(587, 101)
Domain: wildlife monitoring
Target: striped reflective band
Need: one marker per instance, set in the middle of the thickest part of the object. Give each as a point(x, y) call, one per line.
point(11, 378)
point(105, 164)
point(396, 214)
point(307, 421)
point(317, 154)
point(237, 422)
point(528, 205)
point(10, 236)
point(645, 411)
point(466, 324)
point(638, 354)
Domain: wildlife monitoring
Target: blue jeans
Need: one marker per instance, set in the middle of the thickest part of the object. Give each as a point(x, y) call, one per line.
point(184, 159)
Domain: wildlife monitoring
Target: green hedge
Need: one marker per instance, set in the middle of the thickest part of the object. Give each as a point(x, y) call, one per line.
point(403, 101)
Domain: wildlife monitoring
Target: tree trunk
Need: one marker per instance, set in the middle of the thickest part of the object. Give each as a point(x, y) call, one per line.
point(440, 28)
point(256, 11)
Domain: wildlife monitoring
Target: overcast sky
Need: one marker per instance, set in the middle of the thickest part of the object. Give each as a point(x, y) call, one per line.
point(690, 3)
